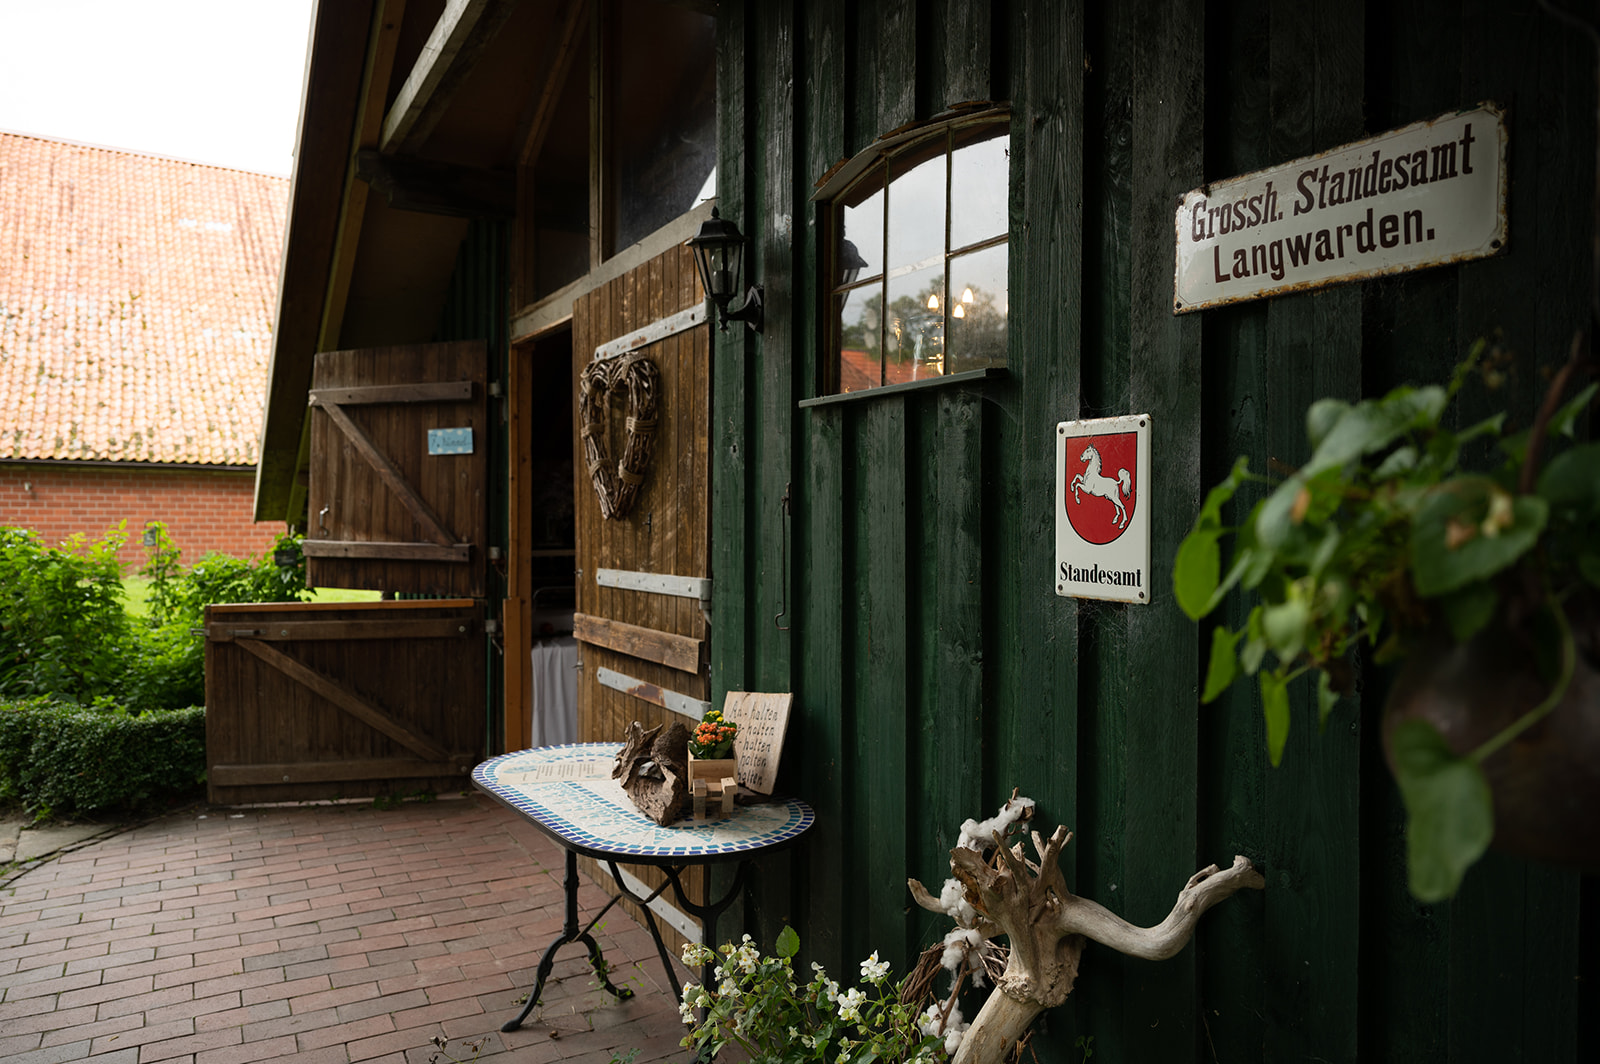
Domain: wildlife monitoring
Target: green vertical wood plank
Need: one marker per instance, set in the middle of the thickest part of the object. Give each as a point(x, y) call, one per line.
point(731, 384)
point(776, 267)
point(952, 705)
point(962, 38)
point(774, 264)
point(1312, 799)
point(1159, 849)
point(880, 811)
point(1232, 737)
point(1104, 667)
point(822, 705)
point(897, 64)
point(1530, 962)
point(1405, 946)
point(819, 521)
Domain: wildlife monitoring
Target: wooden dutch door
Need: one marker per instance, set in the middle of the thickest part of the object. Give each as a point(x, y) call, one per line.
point(641, 355)
point(641, 351)
point(357, 699)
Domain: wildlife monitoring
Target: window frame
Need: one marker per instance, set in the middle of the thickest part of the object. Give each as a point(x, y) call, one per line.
point(904, 149)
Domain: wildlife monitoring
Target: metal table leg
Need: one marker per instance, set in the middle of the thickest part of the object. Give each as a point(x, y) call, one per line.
point(570, 932)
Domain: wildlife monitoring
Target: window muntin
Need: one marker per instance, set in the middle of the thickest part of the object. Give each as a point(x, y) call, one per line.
point(935, 210)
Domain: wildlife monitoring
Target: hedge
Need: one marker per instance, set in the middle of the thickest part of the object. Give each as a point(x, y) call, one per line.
point(58, 758)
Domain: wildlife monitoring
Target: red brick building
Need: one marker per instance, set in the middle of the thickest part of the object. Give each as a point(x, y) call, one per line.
point(136, 303)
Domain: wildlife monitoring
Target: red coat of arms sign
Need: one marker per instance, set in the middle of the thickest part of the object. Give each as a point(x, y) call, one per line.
point(1102, 518)
point(1102, 491)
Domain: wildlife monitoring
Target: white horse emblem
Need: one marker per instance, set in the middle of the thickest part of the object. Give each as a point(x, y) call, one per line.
point(1092, 482)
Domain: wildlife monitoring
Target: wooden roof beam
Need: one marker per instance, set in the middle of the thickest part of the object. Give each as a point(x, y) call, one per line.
point(463, 31)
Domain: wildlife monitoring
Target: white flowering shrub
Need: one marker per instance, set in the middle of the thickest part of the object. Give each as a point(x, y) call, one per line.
point(757, 1005)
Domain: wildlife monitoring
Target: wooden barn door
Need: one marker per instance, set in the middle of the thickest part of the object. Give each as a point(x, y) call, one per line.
point(309, 701)
point(398, 468)
point(643, 575)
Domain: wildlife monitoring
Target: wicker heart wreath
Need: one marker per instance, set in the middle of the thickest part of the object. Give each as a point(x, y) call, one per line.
point(618, 486)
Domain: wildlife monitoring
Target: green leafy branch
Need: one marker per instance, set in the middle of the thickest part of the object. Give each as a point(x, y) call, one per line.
point(1380, 534)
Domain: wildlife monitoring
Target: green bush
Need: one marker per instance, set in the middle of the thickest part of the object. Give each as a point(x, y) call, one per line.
point(65, 633)
point(58, 758)
point(63, 629)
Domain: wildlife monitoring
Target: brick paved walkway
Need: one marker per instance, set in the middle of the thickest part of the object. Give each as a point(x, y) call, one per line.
point(319, 935)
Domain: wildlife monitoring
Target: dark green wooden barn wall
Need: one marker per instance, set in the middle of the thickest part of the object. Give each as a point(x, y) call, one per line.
point(933, 665)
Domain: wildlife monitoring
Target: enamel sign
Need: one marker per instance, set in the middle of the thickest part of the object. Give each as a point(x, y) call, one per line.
point(1428, 194)
point(1102, 512)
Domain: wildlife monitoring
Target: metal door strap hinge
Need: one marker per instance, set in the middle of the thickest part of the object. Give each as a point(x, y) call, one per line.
point(693, 708)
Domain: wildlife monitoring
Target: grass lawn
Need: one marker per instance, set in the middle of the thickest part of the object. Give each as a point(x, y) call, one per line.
point(137, 592)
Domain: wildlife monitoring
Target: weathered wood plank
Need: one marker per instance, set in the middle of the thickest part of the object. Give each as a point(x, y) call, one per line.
point(733, 382)
point(346, 699)
point(293, 631)
point(818, 529)
point(334, 771)
point(422, 392)
point(1315, 341)
point(1160, 831)
point(882, 672)
point(455, 553)
point(665, 648)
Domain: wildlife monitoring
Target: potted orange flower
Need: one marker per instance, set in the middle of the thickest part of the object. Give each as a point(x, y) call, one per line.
point(711, 748)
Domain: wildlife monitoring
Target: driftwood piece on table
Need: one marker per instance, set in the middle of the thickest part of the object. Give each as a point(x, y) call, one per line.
point(1046, 926)
point(653, 766)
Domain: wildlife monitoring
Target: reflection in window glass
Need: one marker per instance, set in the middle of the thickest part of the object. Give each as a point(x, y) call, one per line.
point(938, 305)
point(978, 186)
point(861, 247)
point(978, 310)
point(860, 333)
point(914, 327)
point(916, 214)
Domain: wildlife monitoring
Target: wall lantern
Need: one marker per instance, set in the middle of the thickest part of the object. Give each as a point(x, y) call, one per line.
point(718, 254)
point(850, 262)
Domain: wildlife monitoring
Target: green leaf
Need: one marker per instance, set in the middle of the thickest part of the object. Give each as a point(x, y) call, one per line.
point(1256, 648)
point(1372, 425)
point(1224, 665)
point(1196, 571)
point(1321, 416)
point(1565, 421)
point(788, 943)
point(1285, 624)
point(1275, 705)
point(1469, 609)
point(1441, 565)
point(1589, 566)
point(1489, 426)
point(1327, 698)
point(1573, 477)
point(1450, 810)
point(1400, 460)
point(1210, 515)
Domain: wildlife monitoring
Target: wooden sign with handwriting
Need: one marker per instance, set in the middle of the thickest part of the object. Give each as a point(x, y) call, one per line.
point(763, 719)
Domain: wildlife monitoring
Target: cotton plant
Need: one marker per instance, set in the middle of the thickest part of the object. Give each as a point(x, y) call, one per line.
point(755, 1003)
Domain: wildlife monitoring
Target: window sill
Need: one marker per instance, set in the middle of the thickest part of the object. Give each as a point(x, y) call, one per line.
point(968, 377)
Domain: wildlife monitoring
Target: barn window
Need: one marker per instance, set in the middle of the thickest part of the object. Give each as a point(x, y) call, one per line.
point(917, 263)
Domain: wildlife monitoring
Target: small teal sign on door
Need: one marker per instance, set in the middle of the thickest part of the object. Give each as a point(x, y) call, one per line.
point(450, 441)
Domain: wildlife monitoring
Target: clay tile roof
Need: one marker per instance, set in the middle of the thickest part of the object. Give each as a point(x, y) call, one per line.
point(136, 304)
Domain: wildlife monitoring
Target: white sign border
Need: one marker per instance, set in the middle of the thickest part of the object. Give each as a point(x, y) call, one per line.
point(1133, 545)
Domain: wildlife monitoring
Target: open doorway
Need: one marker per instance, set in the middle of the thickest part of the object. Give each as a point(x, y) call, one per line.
point(540, 652)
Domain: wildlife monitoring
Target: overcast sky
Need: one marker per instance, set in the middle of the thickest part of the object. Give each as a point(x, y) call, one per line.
point(214, 81)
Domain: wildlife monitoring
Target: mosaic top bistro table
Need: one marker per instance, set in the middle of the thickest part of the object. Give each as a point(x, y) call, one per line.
point(568, 793)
